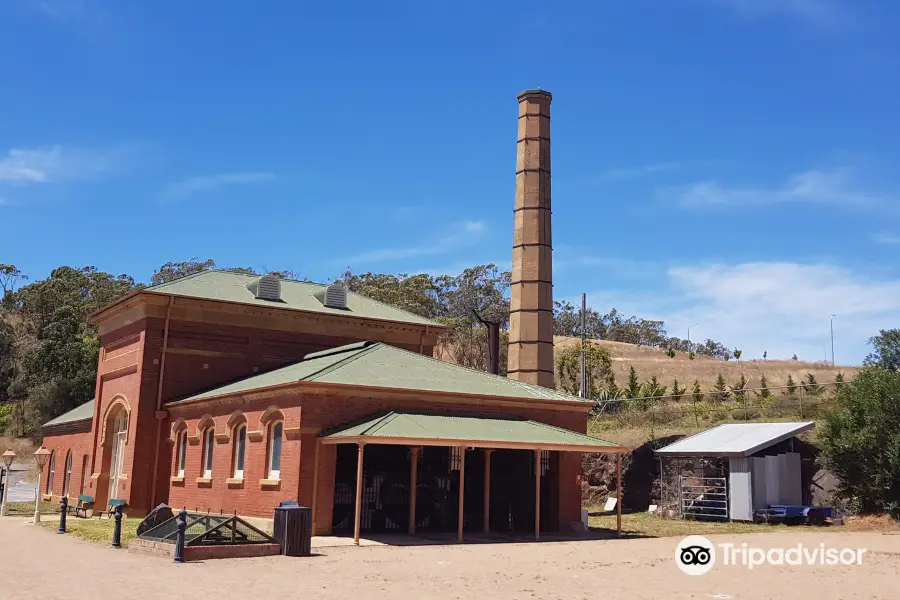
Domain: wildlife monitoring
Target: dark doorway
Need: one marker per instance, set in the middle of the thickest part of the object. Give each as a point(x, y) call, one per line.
point(386, 481)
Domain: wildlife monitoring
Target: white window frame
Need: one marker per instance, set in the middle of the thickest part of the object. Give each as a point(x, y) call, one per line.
point(51, 470)
point(182, 453)
point(240, 451)
point(209, 440)
point(67, 478)
point(275, 473)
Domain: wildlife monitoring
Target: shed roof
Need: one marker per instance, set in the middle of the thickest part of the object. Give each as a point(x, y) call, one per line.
point(401, 427)
point(735, 439)
point(295, 295)
point(376, 364)
point(81, 413)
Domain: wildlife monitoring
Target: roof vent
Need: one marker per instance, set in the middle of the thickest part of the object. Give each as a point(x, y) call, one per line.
point(267, 287)
point(335, 296)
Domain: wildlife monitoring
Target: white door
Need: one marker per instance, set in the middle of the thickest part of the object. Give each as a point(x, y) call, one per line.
point(119, 433)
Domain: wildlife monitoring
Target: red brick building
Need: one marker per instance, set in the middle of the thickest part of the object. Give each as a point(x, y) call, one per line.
point(229, 393)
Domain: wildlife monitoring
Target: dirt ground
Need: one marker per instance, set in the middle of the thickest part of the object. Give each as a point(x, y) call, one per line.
point(40, 564)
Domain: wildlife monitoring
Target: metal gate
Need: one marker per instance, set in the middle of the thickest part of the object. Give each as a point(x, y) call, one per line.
point(704, 497)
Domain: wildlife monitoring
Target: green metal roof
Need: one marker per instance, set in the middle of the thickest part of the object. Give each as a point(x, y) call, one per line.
point(472, 430)
point(381, 365)
point(295, 295)
point(85, 411)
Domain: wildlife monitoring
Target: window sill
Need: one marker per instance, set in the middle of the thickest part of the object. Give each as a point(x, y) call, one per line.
point(177, 479)
point(234, 483)
point(270, 483)
point(204, 480)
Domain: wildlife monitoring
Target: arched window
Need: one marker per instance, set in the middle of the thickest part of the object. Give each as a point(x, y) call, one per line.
point(68, 476)
point(51, 471)
point(182, 452)
point(209, 440)
point(275, 431)
point(240, 448)
point(85, 474)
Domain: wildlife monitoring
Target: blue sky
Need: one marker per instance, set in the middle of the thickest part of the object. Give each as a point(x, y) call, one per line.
point(730, 163)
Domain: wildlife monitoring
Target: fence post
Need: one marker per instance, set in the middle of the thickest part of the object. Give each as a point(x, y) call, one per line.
point(63, 509)
point(179, 537)
point(117, 528)
point(801, 399)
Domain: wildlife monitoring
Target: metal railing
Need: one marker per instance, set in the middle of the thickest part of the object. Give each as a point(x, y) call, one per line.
point(703, 497)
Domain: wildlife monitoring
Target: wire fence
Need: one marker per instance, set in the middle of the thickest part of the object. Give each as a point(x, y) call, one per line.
point(803, 401)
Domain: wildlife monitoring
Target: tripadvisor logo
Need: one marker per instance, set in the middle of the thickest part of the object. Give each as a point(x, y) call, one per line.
point(696, 555)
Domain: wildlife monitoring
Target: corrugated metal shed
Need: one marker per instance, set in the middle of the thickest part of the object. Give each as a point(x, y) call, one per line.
point(735, 439)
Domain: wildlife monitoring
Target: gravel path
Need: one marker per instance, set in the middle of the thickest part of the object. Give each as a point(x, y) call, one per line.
point(40, 564)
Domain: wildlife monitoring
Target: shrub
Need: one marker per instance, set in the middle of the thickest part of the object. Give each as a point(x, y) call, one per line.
point(861, 441)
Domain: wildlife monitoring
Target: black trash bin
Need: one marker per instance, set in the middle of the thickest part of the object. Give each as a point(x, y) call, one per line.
point(292, 528)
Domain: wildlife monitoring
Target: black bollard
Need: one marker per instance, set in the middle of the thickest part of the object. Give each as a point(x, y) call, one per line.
point(179, 537)
point(63, 509)
point(117, 528)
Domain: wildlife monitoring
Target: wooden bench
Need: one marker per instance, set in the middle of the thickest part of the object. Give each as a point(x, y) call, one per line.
point(85, 503)
point(111, 508)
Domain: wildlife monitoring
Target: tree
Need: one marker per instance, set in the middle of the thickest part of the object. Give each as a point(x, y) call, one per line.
point(861, 441)
point(726, 355)
point(613, 391)
point(791, 386)
point(737, 354)
point(9, 276)
point(838, 381)
point(886, 350)
point(739, 387)
point(794, 357)
point(176, 270)
point(811, 386)
point(671, 352)
point(677, 392)
point(634, 385)
point(720, 390)
point(692, 356)
point(567, 321)
point(763, 391)
point(652, 389)
point(765, 354)
point(598, 365)
point(697, 392)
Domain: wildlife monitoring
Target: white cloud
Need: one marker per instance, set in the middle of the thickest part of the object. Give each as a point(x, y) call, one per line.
point(779, 307)
point(889, 239)
point(821, 187)
point(824, 13)
point(459, 236)
point(640, 171)
point(205, 183)
point(54, 164)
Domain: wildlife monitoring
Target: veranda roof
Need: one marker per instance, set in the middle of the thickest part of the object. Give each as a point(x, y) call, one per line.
point(422, 429)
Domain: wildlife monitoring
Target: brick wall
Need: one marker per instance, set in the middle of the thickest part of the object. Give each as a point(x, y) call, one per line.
point(78, 444)
point(298, 454)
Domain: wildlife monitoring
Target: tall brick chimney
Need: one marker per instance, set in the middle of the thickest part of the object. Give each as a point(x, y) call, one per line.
point(531, 305)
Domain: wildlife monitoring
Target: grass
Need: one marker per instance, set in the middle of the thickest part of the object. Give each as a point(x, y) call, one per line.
point(99, 531)
point(27, 508)
point(650, 525)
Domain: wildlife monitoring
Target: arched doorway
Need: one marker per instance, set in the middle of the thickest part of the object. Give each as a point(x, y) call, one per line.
point(118, 433)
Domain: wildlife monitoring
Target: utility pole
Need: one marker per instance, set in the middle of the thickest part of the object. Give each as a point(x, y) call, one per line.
point(832, 339)
point(583, 375)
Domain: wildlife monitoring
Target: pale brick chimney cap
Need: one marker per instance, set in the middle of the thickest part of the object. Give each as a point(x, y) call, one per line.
point(536, 94)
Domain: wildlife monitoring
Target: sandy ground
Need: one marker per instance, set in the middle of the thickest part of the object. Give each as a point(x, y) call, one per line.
point(41, 564)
